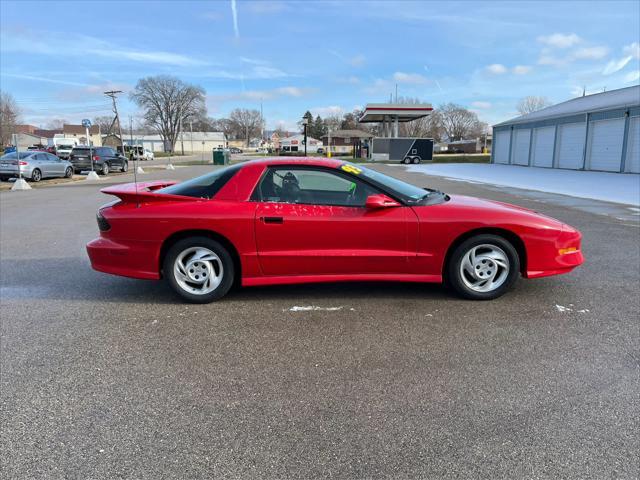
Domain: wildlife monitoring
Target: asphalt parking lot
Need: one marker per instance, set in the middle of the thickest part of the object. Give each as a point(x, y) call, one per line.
point(107, 377)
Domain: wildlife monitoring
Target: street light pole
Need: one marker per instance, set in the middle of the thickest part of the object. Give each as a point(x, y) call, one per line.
point(305, 122)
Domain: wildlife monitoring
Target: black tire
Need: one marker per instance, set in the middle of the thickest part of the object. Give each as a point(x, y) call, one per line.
point(68, 173)
point(4, 179)
point(125, 167)
point(227, 268)
point(453, 273)
point(36, 175)
point(406, 160)
point(105, 169)
point(415, 160)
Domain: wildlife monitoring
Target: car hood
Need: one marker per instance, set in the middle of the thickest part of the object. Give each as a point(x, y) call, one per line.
point(472, 206)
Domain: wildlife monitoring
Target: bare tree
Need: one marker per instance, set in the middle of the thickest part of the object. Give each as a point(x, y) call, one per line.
point(56, 124)
point(167, 103)
point(532, 104)
point(247, 122)
point(9, 117)
point(105, 122)
point(427, 127)
point(459, 123)
point(333, 122)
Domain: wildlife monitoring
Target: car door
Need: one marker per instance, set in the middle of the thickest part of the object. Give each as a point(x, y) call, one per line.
point(313, 221)
point(41, 161)
point(56, 165)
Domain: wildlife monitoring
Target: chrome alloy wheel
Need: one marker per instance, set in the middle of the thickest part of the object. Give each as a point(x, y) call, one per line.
point(484, 268)
point(198, 270)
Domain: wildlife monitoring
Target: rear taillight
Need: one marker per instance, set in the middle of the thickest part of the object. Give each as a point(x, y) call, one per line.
point(103, 225)
point(96, 158)
point(23, 163)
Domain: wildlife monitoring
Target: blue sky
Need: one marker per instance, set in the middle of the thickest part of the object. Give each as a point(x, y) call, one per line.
point(58, 57)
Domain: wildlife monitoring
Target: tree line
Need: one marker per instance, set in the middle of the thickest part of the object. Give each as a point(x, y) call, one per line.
point(170, 106)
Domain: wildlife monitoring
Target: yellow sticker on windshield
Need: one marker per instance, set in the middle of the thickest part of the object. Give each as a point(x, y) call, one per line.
point(351, 169)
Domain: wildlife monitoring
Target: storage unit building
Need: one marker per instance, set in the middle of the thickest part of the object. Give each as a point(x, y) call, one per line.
point(595, 132)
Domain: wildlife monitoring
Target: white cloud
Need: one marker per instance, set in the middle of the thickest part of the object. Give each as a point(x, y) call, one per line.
point(633, 50)
point(497, 69)
point(616, 65)
point(352, 80)
point(594, 53)
point(632, 76)
point(52, 43)
point(357, 61)
point(328, 111)
point(258, 95)
point(234, 13)
point(560, 40)
point(415, 78)
point(480, 104)
point(521, 69)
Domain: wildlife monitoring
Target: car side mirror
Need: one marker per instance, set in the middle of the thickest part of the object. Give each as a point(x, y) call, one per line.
point(380, 201)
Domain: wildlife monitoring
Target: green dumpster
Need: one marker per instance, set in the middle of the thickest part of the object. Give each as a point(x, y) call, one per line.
point(220, 157)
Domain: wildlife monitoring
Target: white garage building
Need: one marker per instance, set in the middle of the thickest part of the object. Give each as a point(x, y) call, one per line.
point(594, 132)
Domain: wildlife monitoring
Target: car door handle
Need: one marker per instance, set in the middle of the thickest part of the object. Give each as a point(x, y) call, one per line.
point(272, 219)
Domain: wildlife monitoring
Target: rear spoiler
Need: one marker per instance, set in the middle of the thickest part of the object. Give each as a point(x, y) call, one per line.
point(144, 192)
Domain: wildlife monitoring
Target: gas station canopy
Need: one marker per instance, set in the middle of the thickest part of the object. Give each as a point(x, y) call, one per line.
point(396, 112)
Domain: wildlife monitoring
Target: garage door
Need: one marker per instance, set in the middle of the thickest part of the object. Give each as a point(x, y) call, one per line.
point(501, 146)
point(542, 147)
point(632, 163)
point(570, 147)
point(605, 145)
point(520, 150)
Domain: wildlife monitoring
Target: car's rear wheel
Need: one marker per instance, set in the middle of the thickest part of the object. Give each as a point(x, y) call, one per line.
point(199, 269)
point(483, 267)
point(36, 175)
point(68, 173)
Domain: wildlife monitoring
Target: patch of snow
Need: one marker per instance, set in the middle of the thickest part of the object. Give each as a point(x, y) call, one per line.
point(562, 308)
point(313, 308)
point(608, 187)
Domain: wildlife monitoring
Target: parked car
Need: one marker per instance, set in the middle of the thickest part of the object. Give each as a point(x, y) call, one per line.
point(34, 165)
point(105, 159)
point(235, 150)
point(278, 221)
point(64, 146)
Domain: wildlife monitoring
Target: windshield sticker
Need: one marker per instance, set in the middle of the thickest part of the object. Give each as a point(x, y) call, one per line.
point(351, 169)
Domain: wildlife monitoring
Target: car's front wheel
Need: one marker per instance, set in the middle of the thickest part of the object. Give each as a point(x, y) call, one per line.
point(483, 267)
point(199, 269)
point(105, 168)
point(68, 173)
point(125, 167)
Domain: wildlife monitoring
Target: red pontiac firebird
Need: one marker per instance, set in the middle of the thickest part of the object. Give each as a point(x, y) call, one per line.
point(279, 221)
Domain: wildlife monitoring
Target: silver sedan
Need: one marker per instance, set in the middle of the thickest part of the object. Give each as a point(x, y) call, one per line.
point(34, 165)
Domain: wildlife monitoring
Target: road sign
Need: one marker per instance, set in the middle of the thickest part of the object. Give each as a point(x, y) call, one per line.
point(86, 123)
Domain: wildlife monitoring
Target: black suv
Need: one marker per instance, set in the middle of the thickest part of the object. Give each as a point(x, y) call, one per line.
point(105, 159)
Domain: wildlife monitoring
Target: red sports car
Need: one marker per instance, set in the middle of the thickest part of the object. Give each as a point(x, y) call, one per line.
point(278, 221)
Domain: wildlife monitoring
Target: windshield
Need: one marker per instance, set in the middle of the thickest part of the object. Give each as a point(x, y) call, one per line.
point(205, 186)
point(402, 190)
point(12, 155)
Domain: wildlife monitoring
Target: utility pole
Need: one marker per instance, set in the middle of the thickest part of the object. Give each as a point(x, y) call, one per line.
point(112, 94)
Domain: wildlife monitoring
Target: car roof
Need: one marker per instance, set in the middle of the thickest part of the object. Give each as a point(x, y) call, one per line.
point(309, 161)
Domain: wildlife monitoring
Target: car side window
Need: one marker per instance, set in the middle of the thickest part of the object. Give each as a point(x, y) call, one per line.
point(311, 186)
point(52, 158)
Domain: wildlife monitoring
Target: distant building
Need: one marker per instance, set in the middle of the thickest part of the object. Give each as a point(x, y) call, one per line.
point(189, 142)
point(295, 143)
point(593, 132)
point(79, 132)
point(345, 141)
